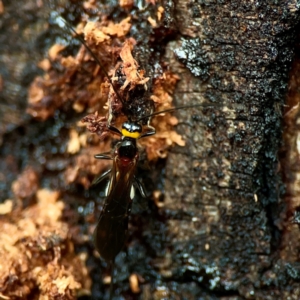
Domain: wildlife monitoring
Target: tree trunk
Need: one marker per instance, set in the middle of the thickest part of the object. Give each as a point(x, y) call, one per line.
point(223, 228)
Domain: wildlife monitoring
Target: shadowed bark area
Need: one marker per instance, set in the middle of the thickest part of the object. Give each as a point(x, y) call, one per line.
point(224, 189)
point(219, 232)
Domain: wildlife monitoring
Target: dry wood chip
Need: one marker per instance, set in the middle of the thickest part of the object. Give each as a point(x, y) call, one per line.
point(160, 12)
point(27, 184)
point(126, 3)
point(45, 64)
point(1, 7)
point(134, 76)
point(134, 283)
point(74, 142)
point(31, 243)
point(6, 207)
point(54, 50)
point(96, 33)
point(152, 22)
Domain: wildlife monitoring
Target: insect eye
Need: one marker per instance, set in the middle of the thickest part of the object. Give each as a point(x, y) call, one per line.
point(127, 150)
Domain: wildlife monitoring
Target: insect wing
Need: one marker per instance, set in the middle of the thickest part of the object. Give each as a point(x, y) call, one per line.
point(111, 230)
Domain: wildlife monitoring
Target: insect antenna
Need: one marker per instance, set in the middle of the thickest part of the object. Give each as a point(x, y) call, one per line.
point(79, 38)
point(176, 108)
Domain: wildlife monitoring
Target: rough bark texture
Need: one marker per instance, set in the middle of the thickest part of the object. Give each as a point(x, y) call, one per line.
point(221, 228)
point(228, 189)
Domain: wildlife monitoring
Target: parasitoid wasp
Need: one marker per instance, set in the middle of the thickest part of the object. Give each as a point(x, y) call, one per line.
point(112, 226)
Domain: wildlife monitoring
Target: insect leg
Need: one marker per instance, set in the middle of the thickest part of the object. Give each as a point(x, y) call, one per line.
point(101, 177)
point(109, 126)
point(138, 184)
point(149, 132)
point(105, 155)
point(114, 129)
point(132, 192)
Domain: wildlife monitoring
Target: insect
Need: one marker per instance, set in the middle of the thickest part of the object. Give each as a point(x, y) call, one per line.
point(112, 226)
point(111, 230)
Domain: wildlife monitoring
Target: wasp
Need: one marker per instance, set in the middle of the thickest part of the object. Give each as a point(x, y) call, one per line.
point(112, 227)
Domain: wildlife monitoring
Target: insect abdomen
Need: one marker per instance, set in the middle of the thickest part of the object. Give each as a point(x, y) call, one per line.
point(110, 235)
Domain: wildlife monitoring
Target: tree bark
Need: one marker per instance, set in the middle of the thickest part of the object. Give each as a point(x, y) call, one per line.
point(225, 188)
point(222, 230)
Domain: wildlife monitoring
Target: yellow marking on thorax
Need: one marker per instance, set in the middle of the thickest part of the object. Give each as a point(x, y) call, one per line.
point(134, 135)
